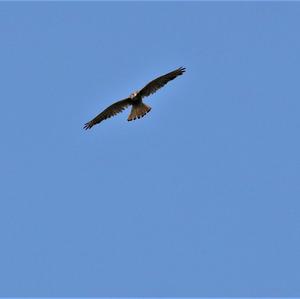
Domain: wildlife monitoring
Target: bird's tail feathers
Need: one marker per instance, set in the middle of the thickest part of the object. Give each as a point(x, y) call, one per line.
point(138, 111)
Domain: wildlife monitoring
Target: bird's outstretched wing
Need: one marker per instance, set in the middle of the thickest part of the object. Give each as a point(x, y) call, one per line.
point(159, 82)
point(109, 112)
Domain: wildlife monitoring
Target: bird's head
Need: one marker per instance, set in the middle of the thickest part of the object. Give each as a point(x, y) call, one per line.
point(134, 94)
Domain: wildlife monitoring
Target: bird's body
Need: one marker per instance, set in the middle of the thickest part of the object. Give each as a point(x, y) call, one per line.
point(139, 109)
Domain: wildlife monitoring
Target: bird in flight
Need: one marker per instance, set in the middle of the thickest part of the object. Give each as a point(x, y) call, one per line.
point(139, 109)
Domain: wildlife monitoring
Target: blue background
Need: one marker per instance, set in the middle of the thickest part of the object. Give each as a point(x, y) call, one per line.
point(199, 198)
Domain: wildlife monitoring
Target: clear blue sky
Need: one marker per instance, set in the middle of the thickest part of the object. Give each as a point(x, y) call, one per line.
point(199, 198)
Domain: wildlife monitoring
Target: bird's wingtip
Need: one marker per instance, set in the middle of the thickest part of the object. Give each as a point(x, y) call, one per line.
point(87, 126)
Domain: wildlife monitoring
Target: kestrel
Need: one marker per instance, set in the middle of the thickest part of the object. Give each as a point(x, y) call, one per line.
point(139, 109)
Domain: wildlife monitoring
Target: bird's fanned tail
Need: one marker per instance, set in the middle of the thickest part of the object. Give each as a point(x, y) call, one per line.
point(138, 110)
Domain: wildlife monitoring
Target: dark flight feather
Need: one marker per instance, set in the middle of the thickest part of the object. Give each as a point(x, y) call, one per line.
point(110, 111)
point(159, 82)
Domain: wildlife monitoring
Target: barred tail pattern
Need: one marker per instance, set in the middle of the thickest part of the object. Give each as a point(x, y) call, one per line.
point(138, 110)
